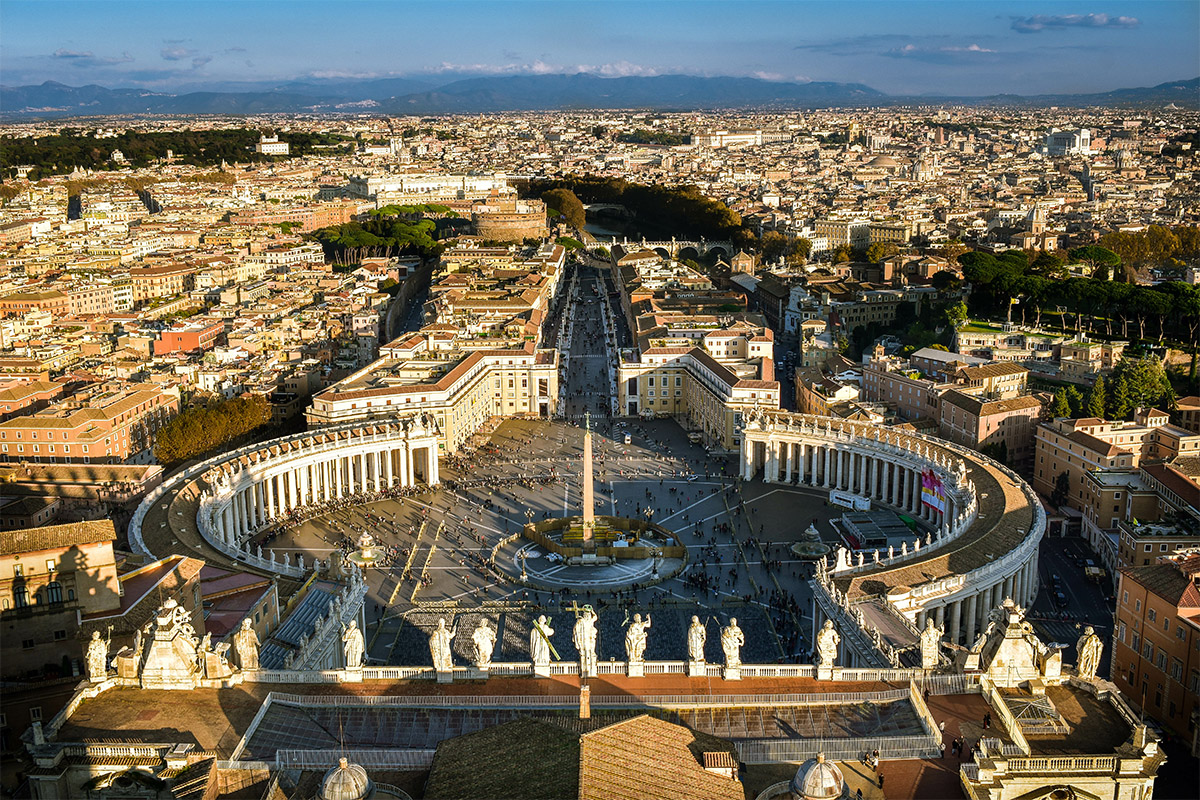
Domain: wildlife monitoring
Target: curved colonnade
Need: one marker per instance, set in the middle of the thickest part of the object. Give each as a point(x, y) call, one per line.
point(979, 549)
point(243, 490)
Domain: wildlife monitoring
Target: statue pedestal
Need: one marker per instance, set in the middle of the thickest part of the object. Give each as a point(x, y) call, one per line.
point(634, 669)
point(697, 669)
point(830, 673)
point(445, 677)
point(541, 670)
point(476, 673)
point(732, 673)
point(352, 675)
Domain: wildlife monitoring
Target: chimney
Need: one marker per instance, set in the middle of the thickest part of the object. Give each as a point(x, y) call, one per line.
point(585, 702)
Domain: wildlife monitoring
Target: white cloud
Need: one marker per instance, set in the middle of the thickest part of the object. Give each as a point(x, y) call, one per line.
point(618, 69)
point(1039, 22)
point(176, 53)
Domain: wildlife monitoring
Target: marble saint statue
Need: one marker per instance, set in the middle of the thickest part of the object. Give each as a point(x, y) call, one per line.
point(97, 658)
point(931, 645)
point(827, 644)
point(245, 644)
point(539, 641)
point(1087, 653)
point(586, 640)
point(439, 647)
point(352, 646)
point(635, 638)
point(696, 637)
point(484, 639)
point(732, 640)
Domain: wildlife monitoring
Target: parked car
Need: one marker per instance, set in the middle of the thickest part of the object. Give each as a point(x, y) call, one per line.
point(1060, 600)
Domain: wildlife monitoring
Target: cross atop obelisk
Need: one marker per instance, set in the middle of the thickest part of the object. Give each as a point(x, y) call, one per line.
point(589, 501)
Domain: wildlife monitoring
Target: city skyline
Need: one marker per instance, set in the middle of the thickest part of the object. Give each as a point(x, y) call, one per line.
point(909, 48)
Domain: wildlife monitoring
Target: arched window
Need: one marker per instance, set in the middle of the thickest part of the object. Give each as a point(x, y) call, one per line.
point(54, 593)
point(20, 596)
point(70, 594)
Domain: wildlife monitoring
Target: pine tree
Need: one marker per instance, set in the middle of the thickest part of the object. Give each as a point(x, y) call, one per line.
point(1075, 401)
point(1096, 399)
point(1119, 404)
point(1062, 406)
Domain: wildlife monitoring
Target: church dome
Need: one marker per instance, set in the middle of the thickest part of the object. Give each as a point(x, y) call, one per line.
point(818, 779)
point(346, 781)
point(883, 161)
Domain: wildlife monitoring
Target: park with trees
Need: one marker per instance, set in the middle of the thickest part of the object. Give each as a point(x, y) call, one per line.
point(204, 429)
point(62, 152)
point(1167, 311)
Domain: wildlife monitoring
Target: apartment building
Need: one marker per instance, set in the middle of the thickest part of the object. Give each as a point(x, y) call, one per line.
point(892, 381)
point(994, 381)
point(304, 218)
point(1156, 645)
point(1003, 426)
point(165, 280)
point(90, 299)
point(1085, 361)
point(427, 372)
point(706, 378)
point(1077, 446)
point(49, 577)
point(53, 302)
point(189, 337)
point(1006, 342)
point(1188, 409)
point(102, 426)
point(26, 397)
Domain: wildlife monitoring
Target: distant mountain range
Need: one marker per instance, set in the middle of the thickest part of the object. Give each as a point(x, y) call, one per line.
point(529, 93)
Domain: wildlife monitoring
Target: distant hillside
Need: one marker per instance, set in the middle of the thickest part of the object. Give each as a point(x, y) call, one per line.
point(545, 92)
point(525, 93)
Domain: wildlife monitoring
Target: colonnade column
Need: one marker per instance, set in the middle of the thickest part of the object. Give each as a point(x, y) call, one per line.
point(434, 473)
point(825, 476)
point(972, 602)
point(955, 620)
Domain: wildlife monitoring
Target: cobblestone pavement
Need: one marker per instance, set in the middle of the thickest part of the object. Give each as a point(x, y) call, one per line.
point(439, 544)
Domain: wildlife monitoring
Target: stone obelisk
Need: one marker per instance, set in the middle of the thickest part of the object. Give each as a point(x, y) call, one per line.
point(589, 501)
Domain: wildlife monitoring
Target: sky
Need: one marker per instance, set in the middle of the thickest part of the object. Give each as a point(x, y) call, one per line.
point(912, 47)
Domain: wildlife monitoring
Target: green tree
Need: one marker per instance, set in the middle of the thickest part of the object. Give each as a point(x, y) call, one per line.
point(1118, 399)
point(1145, 382)
point(1096, 401)
point(957, 314)
point(799, 249)
point(1061, 406)
point(1062, 489)
point(1095, 256)
point(997, 451)
point(880, 250)
point(842, 252)
point(946, 281)
point(1075, 401)
point(774, 245)
point(567, 204)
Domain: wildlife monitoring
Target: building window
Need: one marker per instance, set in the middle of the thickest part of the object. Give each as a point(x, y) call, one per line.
point(27, 644)
point(1151, 615)
point(54, 593)
point(60, 635)
point(35, 714)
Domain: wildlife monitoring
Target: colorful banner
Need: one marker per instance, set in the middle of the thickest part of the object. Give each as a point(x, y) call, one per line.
point(931, 491)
